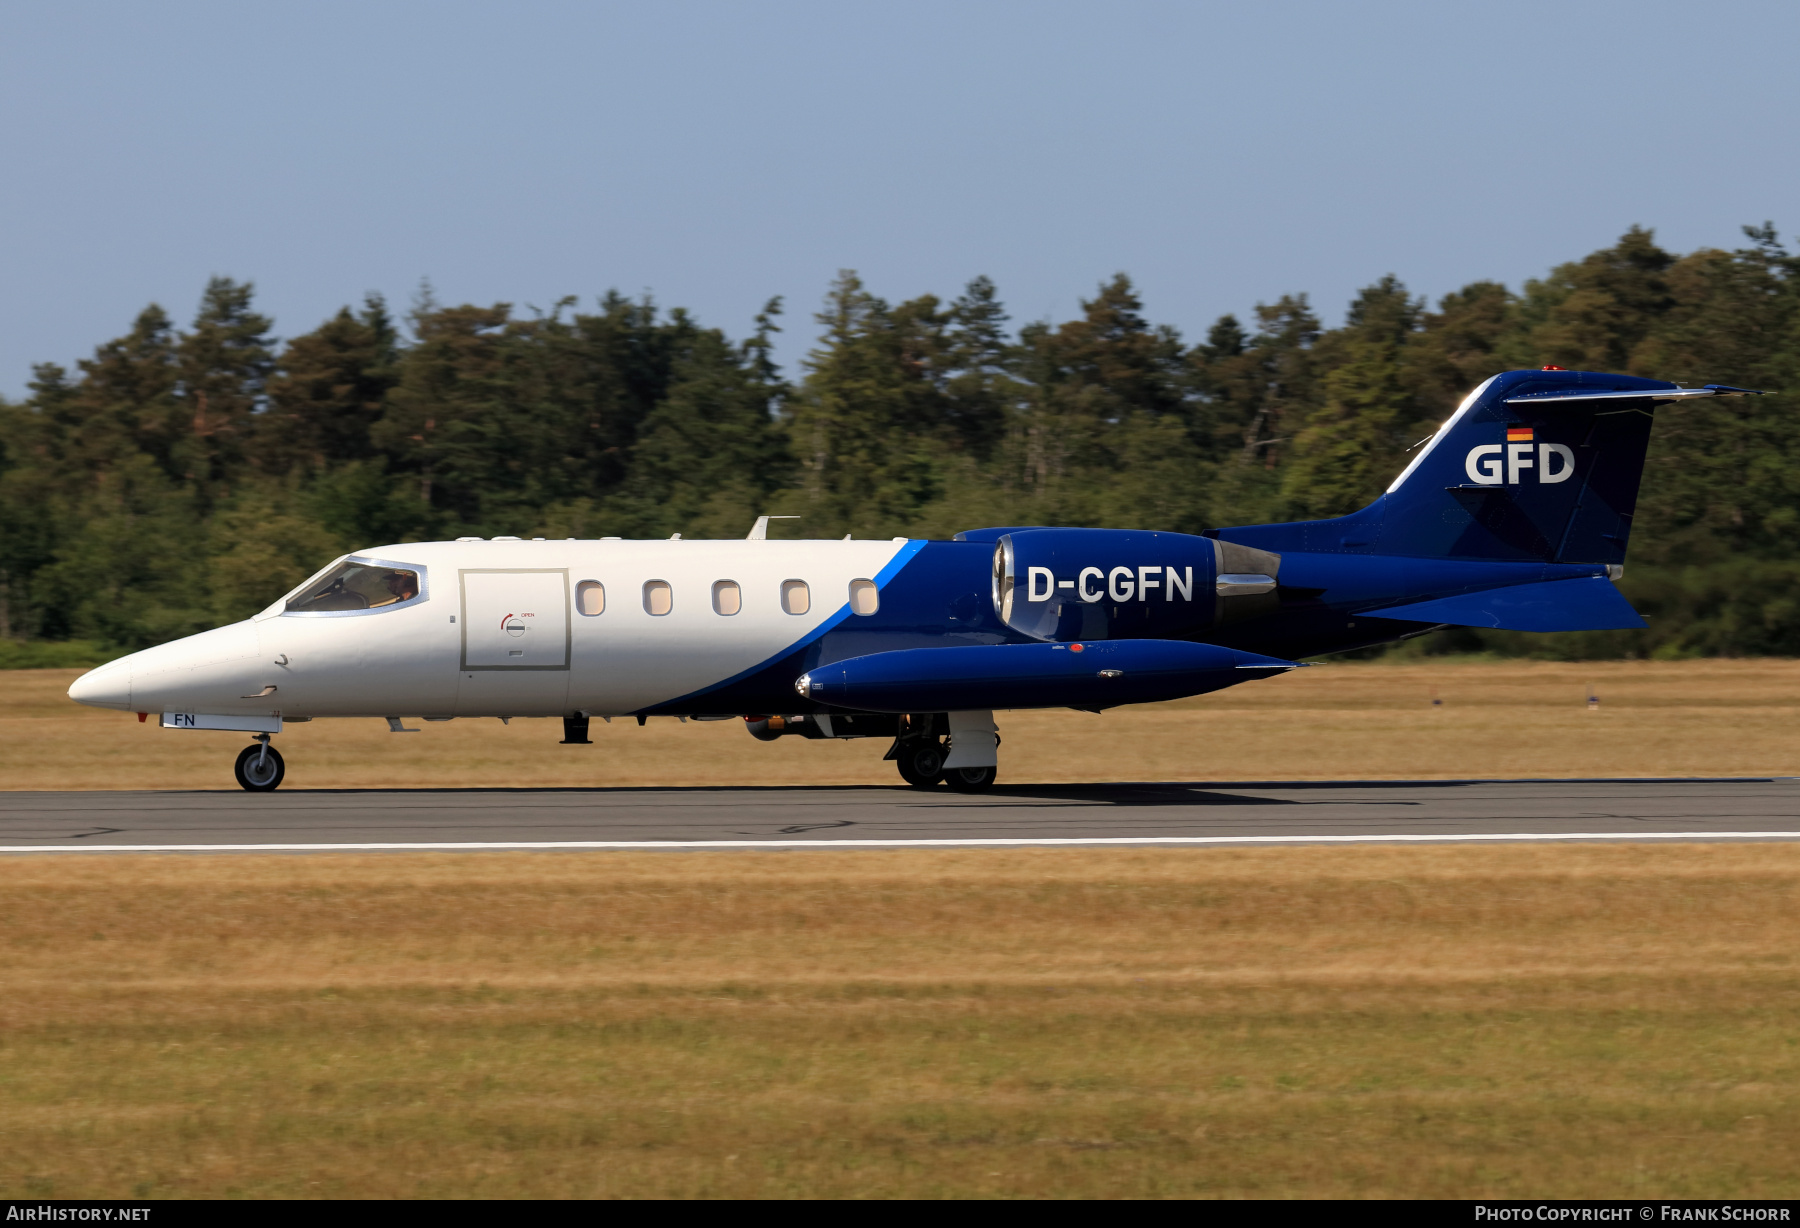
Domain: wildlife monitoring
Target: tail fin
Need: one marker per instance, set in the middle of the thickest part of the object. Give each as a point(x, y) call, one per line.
point(1533, 465)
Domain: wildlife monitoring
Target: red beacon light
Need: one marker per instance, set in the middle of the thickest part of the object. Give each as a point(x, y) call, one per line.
point(1553, 368)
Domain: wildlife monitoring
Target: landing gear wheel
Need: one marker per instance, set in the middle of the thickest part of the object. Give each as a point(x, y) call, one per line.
point(260, 769)
point(921, 764)
point(970, 780)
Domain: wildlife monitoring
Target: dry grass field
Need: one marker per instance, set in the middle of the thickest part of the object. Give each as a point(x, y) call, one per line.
point(1433, 1021)
point(1340, 721)
point(1451, 1021)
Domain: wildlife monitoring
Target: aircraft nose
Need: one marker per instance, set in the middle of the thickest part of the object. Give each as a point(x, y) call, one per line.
point(106, 687)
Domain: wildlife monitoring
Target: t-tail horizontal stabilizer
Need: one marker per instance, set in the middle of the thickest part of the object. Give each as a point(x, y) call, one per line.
point(1589, 603)
point(1667, 394)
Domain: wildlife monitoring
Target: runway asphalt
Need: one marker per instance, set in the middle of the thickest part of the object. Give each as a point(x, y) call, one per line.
point(824, 817)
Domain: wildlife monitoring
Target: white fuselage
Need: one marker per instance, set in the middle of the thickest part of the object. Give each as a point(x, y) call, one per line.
point(499, 629)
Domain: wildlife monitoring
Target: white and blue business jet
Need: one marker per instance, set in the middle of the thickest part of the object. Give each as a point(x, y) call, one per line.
point(1515, 515)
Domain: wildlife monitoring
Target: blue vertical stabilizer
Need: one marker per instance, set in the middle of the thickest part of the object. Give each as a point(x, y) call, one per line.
point(1533, 466)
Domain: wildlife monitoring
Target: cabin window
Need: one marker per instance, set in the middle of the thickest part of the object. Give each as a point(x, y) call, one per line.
point(796, 598)
point(659, 598)
point(728, 598)
point(355, 585)
point(590, 598)
point(864, 598)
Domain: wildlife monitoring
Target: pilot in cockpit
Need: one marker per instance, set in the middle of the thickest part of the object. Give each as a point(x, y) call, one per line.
point(353, 585)
point(404, 585)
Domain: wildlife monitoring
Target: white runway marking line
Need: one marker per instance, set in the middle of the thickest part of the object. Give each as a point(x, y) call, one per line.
point(970, 842)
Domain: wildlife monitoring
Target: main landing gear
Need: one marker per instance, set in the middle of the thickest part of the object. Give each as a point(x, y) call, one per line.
point(921, 761)
point(920, 751)
point(924, 745)
point(970, 779)
point(259, 767)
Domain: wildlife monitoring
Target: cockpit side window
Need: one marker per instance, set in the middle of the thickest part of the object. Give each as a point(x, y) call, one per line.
point(356, 585)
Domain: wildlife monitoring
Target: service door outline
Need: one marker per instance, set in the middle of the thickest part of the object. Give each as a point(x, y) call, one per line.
point(554, 596)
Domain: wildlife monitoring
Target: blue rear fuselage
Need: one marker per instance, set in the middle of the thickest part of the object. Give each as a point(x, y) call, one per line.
point(941, 596)
point(1531, 482)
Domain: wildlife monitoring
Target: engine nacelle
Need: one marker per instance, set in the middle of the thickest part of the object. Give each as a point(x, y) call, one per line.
point(1098, 584)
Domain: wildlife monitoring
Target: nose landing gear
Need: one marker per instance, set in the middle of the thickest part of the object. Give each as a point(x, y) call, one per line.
point(259, 768)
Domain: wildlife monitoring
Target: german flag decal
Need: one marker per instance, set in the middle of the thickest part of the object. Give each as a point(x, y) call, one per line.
point(1518, 434)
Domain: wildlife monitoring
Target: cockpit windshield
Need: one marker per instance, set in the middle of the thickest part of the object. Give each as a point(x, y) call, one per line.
point(353, 585)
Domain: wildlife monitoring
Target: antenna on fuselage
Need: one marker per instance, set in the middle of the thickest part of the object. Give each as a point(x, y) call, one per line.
point(759, 532)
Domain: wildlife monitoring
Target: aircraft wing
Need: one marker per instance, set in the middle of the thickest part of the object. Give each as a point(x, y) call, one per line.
point(1589, 603)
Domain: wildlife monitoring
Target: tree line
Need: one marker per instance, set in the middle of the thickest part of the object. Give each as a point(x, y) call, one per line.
point(183, 477)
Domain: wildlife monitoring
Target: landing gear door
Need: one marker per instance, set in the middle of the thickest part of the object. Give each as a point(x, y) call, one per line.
point(514, 619)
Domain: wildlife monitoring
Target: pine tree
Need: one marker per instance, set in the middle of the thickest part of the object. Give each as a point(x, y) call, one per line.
point(124, 402)
point(1350, 446)
point(864, 423)
point(980, 394)
point(1457, 347)
point(223, 364)
point(1592, 313)
point(1095, 387)
point(441, 423)
point(328, 393)
point(710, 456)
point(1258, 393)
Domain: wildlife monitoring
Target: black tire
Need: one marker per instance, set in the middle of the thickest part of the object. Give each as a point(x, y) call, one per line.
point(970, 780)
point(268, 779)
point(921, 763)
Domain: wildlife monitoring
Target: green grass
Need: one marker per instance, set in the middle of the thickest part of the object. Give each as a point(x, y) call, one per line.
point(55, 654)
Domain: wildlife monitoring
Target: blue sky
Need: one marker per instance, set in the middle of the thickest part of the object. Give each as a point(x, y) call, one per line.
point(717, 154)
